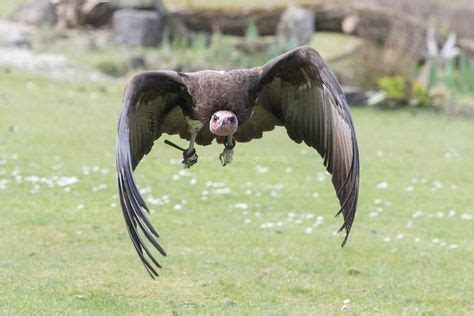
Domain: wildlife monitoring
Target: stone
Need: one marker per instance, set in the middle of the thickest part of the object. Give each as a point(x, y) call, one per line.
point(96, 13)
point(136, 62)
point(36, 12)
point(137, 27)
point(14, 34)
point(355, 95)
point(295, 28)
point(74, 13)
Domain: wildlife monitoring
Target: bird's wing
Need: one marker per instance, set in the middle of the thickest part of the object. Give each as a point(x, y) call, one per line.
point(152, 105)
point(297, 90)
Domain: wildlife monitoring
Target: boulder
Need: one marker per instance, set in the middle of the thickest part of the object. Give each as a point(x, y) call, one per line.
point(36, 12)
point(355, 95)
point(137, 27)
point(96, 13)
point(295, 28)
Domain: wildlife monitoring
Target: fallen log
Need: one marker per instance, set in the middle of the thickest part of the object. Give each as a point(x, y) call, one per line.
point(369, 22)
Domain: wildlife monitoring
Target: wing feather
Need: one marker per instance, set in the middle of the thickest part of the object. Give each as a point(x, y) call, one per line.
point(300, 90)
point(152, 105)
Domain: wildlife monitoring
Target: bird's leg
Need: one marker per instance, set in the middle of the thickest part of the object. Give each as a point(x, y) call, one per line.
point(189, 155)
point(226, 156)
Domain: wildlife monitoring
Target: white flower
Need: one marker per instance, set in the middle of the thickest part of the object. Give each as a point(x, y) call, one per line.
point(247, 221)
point(221, 191)
point(453, 246)
point(66, 181)
point(382, 185)
point(261, 169)
point(154, 201)
point(193, 181)
point(466, 216)
point(242, 206)
point(346, 301)
point(178, 207)
point(437, 184)
point(308, 230)
point(451, 213)
point(410, 188)
point(320, 176)
point(387, 239)
point(439, 214)
point(400, 236)
point(175, 161)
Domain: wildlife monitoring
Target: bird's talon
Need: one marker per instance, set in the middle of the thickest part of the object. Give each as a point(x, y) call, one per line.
point(226, 156)
point(189, 158)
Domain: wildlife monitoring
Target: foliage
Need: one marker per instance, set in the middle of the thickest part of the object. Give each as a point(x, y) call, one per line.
point(112, 68)
point(456, 74)
point(399, 91)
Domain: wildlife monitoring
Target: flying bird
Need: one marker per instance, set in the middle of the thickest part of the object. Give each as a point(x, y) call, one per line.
point(296, 90)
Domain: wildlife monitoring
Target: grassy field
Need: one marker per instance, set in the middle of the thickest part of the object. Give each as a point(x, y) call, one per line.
point(256, 237)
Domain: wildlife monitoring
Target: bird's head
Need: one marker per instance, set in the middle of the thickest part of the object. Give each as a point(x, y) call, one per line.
point(223, 123)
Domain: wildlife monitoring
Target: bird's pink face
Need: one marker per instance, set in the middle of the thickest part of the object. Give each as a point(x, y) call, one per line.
point(223, 123)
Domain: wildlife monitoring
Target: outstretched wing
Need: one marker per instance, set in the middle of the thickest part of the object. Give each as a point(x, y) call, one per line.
point(152, 105)
point(297, 90)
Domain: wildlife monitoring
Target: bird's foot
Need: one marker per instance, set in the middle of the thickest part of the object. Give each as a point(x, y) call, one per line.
point(226, 156)
point(189, 158)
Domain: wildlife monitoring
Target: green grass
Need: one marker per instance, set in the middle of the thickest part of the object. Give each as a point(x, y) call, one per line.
point(66, 251)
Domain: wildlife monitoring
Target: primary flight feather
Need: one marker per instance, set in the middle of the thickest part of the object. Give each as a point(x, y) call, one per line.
point(296, 90)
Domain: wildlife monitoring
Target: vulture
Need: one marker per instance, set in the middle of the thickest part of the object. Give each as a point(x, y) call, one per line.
point(296, 90)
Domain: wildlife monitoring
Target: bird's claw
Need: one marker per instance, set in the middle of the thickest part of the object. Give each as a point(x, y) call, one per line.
point(226, 156)
point(189, 158)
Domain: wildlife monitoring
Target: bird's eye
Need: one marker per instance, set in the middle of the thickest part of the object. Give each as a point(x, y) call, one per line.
point(215, 118)
point(232, 120)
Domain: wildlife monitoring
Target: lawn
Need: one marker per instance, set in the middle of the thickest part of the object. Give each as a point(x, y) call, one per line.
point(256, 237)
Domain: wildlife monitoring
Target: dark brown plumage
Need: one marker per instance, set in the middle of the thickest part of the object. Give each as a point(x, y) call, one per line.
point(296, 90)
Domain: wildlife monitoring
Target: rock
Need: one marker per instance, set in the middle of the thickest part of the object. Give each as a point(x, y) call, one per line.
point(295, 28)
point(36, 12)
point(15, 34)
point(96, 13)
point(73, 13)
point(15, 39)
point(354, 95)
point(137, 27)
point(136, 62)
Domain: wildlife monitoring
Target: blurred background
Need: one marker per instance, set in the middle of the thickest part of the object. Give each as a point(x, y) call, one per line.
point(259, 238)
